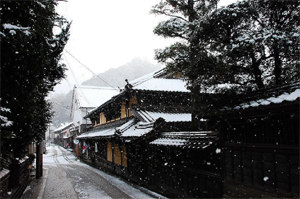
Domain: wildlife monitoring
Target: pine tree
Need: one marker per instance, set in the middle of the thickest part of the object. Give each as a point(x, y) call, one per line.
point(185, 18)
point(257, 43)
point(30, 68)
point(188, 53)
point(248, 45)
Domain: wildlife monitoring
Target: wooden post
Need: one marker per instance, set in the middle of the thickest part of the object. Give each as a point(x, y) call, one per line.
point(76, 150)
point(39, 159)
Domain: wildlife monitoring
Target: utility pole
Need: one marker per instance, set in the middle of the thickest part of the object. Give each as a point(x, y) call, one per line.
point(39, 159)
point(49, 134)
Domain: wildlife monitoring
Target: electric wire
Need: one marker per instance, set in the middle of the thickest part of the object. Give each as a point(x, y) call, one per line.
point(76, 80)
point(71, 69)
point(91, 70)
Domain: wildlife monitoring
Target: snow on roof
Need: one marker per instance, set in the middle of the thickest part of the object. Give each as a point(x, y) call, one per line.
point(66, 125)
point(126, 125)
point(169, 142)
point(195, 140)
point(136, 129)
point(98, 133)
point(91, 96)
point(151, 83)
point(148, 116)
point(160, 84)
point(292, 96)
point(144, 78)
point(130, 129)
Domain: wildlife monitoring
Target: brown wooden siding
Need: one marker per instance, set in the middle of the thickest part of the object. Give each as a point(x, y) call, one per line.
point(102, 118)
point(109, 152)
point(117, 155)
point(123, 110)
point(124, 156)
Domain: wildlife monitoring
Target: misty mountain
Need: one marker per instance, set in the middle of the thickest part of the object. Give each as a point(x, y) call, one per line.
point(61, 107)
point(116, 77)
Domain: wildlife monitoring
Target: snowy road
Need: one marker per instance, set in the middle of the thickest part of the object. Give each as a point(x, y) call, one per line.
point(68, 178)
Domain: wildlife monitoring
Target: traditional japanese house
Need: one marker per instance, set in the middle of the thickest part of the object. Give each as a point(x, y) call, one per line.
point(260, 145)
point(62, 134)
point(84, 99)
point(49, 134)
point(145, 135)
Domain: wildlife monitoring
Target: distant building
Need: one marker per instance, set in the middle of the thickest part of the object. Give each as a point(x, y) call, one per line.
point(62, 134)
point(85, 99)
point(49, 135)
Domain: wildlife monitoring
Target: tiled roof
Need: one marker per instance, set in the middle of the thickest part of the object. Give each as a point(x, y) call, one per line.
point(132, 129)
point(286, 95)
point(150, 82)
point(91, 96)
point(160, 84)
point(65, 126)
point(191, 140)
point(128, 129)
point(98, 133)
point(148, 116)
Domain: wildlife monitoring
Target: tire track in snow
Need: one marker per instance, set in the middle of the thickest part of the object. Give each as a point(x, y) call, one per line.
point(65, 156)
point(91, 178)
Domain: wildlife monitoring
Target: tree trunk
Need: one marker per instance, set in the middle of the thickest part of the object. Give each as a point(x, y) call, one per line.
point(278, 63)
point(257, 72)
point(39, 159)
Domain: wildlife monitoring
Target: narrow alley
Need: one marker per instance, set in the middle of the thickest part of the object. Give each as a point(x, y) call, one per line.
point(65, 177)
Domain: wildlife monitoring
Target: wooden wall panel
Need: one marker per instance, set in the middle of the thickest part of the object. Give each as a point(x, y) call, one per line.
point(102, 118)
point(109, 151)
point(124, 156)
point(117, 155)
point(123, 110)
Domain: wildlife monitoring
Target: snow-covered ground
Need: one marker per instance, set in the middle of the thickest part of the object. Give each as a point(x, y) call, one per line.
point(86, 181)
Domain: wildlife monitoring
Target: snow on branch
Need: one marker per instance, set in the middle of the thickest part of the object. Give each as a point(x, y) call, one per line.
point(4, 120)
point(14, 28)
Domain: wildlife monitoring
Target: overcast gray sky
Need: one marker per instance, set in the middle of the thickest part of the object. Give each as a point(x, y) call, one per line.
point(109, 34)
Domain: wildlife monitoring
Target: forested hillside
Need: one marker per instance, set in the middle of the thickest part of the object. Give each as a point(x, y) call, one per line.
point(61, 106)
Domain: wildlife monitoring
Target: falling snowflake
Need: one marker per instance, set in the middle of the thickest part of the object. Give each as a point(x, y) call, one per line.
point(218, 150)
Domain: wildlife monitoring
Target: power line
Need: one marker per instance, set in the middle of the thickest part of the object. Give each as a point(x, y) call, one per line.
point(90, 70)
point(71, 70)
point(76, 81)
